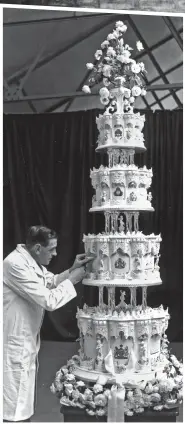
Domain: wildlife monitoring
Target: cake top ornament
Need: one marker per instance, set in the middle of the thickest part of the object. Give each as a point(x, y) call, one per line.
point(115, 67)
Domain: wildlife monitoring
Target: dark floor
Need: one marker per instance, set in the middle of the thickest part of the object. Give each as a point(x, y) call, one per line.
point(53, 355)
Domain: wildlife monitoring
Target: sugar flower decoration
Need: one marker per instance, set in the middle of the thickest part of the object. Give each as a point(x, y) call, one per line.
point(139, 46)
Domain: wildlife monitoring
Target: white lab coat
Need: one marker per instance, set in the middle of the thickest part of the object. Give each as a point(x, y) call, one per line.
point(27, 291)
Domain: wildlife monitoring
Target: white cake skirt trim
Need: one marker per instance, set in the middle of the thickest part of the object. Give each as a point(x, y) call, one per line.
point(121, 283)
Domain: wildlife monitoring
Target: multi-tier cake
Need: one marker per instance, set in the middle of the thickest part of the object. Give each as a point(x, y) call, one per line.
point(124, 343)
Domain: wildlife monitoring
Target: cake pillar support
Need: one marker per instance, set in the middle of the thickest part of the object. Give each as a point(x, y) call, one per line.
point(128, 216)
point(136, 223)
point(144, 297)
point(111, 297)
point(133, 297)
point(107, 222)
point(101, 295)
point(114, 221)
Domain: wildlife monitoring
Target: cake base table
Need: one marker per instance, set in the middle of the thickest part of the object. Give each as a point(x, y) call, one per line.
point(72, 414)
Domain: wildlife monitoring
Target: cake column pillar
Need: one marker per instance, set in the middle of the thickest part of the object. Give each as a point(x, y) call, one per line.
point(111, 297)
point(133, 297)
point(136, 224)
point(144, 297)
point(101, 296)
point(107, 222)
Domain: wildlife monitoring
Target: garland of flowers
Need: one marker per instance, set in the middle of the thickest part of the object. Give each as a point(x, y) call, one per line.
point(157, 394)
point(114, 67)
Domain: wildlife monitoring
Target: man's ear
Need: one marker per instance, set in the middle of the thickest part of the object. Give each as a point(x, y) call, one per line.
point(37, 248)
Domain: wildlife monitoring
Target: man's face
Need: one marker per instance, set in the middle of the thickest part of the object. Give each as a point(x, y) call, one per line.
point(45, 253)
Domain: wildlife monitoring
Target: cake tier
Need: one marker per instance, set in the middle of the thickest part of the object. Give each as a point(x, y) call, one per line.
point(120, 130)
point(121, 259)
point(118, 342)
point(122, 187)
point(129, 378)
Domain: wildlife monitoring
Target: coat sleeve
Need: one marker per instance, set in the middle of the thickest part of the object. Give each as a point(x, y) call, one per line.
point(53, 280)
point(21, 281)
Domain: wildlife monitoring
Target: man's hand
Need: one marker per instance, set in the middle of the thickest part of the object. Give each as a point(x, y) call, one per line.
point(77, 275)
point(80, 261)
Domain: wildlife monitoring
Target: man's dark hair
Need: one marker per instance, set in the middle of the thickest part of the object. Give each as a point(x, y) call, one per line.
point(39, 234)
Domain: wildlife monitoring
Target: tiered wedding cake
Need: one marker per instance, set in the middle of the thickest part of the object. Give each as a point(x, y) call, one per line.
point(122, 343)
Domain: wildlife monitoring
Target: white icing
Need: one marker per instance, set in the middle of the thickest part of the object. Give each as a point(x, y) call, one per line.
point(120, 130)
point(121, 186)
point(127, 340)
point(132, 256)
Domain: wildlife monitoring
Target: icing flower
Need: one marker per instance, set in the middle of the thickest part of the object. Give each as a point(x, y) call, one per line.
point(181, 369)
point(70, 377)
point(100, 412)
point(106, 82)
point(142, 66)
point(110, 37)
point(166, 386)
point(135, 68)
point(140, 410)
point(156, 389)
point(143, 92)
point(64, 400)
point(98, 54)
point(175, 361)
point(129, 413)
point(80, 384)
point(158, 407)
point(68, 389)
point(111, 52)
point(107, 70)
point(124, 56)
point(86, 89)
point(121, 26)
point(82, 398)
point(53, 388)
point(100, 400)
point(180, 395)
point(59, 386)
point(88, 394)
point(139, 45)
point(98, 388)
point(89, 66)
point(155, 397)
point(104, 44)
point(104, 92)
point(75, 394)
point(130, 394)
point(136, 91)
point(90, 412)
point(178, 380)
point(64, 370)
point(121, 80)
point(104, 100)
point(149, 388)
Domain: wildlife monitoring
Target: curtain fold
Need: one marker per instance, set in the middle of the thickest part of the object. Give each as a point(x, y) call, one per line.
point(47, 162)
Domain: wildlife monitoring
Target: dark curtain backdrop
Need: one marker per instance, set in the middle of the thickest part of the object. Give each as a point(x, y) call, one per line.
point(47, 161)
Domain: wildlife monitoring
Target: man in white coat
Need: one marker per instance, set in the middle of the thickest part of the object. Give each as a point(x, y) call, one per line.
point(29, 289)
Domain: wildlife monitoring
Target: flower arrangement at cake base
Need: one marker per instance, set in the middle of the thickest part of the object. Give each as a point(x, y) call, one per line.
point(95, 399)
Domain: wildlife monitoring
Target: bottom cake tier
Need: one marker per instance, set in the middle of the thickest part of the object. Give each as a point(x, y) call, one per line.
point(125, 341)
point(127, 378)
